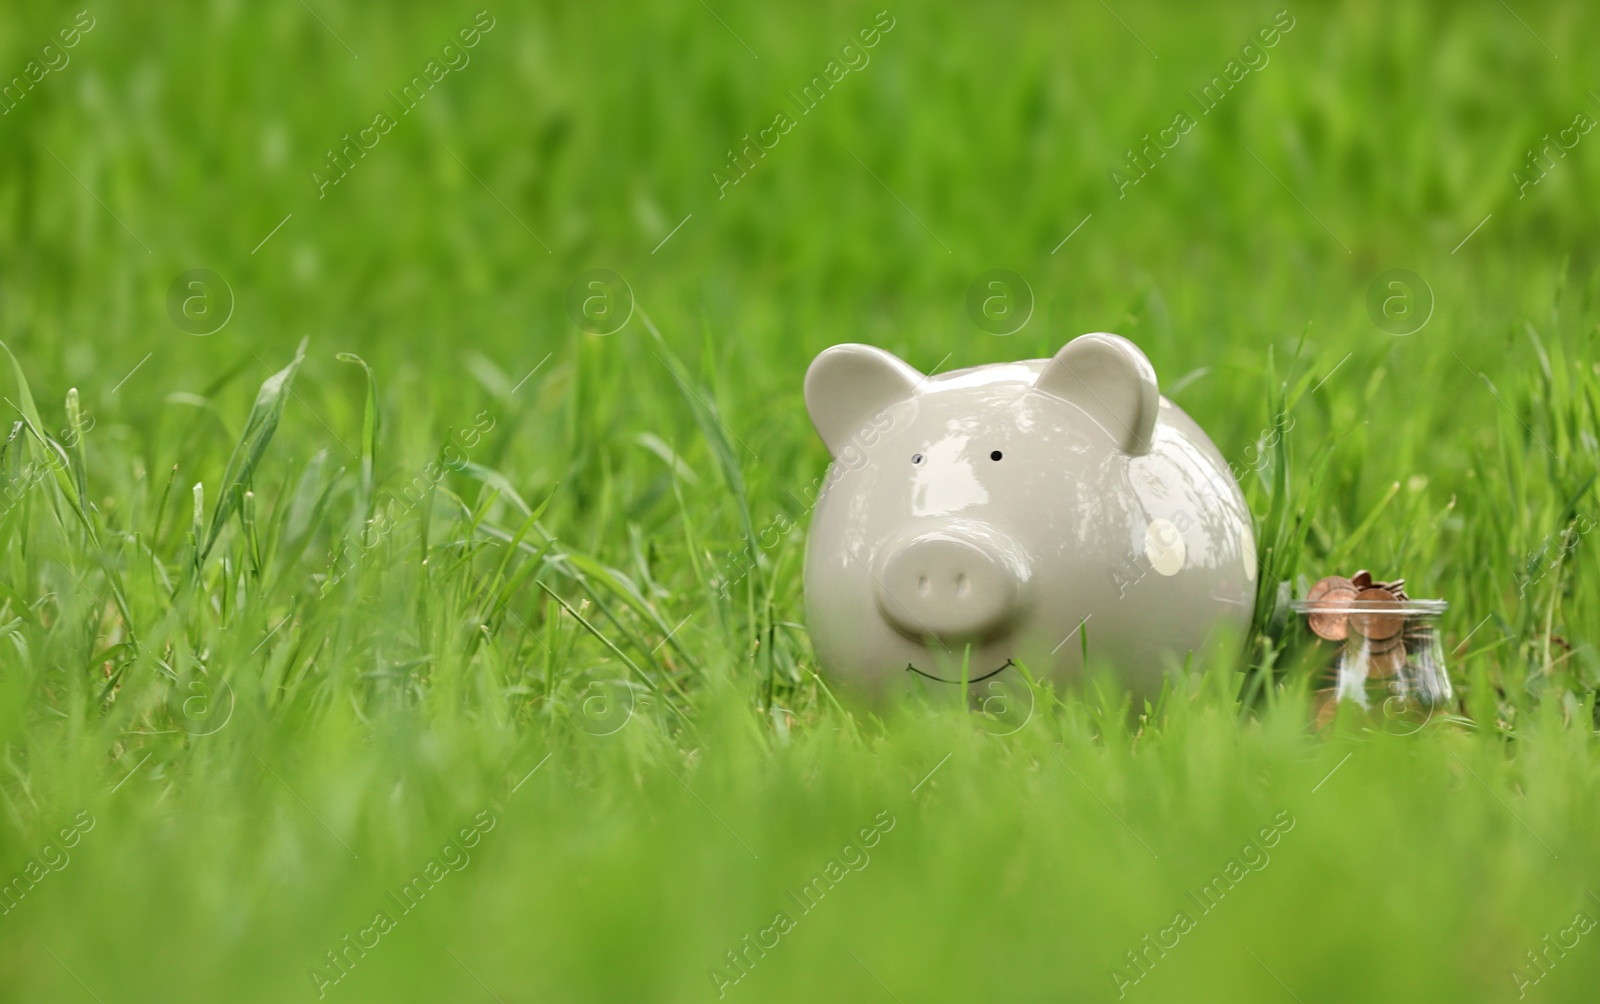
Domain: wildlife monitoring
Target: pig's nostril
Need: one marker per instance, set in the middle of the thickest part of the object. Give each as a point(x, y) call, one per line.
point(961, 584)
point(922, 585)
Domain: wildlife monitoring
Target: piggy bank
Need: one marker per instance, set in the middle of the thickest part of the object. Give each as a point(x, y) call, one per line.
point(1018, 513)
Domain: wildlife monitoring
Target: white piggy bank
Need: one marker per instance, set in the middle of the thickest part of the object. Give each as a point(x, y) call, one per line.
point(1015, 513)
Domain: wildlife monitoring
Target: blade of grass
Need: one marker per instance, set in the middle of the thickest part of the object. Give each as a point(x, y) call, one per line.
point(259, 427)
point(369, 432)
point(619, 653)
point(68, 483)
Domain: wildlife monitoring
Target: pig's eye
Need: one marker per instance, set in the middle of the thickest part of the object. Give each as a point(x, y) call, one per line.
point(996, 455)
point(916, 458)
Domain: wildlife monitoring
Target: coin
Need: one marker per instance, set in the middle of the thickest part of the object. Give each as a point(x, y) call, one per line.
point(1397, 588)
point(1362, 579)
point(1331, 619)
point(1385, 664)
point(1375, 621)
point(1323, 586)
point(1326, 703)
point(1378, 646)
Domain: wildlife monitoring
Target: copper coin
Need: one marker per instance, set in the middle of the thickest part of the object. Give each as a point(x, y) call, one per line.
point(1380, 646)
point(1362, 579)
point(1397, 588)
point(1332, 621)
point(1360, 624)
point(1383, 665)
point(1323, 586)
point(1375, 621)
point(1326, 705)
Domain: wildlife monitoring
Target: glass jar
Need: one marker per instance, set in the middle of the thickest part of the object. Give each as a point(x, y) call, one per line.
point(1388, 658)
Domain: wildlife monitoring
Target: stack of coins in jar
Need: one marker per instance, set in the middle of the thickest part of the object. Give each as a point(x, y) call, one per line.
point(1389, 658)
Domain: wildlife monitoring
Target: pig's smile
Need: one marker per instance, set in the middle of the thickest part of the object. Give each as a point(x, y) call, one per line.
point(976, 679)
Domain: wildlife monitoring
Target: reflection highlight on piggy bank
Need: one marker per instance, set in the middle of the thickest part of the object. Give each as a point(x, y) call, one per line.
point(1016, 513)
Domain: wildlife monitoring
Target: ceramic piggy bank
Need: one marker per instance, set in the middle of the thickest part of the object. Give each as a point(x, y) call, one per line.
point(1016, 513)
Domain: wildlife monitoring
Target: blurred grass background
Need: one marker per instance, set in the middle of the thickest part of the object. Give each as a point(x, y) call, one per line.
point(267, 750)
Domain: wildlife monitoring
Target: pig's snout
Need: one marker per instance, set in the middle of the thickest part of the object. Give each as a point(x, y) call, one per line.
point(952, 583)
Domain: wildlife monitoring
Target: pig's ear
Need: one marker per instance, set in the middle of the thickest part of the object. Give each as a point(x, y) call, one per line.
point(1108, 377)
point(848, 384)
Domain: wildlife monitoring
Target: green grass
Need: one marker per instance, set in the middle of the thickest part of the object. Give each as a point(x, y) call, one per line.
point(278, 635)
